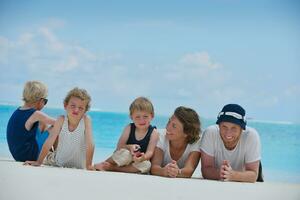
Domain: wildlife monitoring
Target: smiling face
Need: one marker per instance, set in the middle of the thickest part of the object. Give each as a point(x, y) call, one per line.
point(230, 134)
point(75, 108)
point(174, 130)
point(141, 119)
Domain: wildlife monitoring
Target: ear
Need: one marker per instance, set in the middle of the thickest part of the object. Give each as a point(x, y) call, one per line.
point(65, 105)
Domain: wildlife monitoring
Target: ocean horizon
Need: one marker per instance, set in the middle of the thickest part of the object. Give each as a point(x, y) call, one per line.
point(280, 140)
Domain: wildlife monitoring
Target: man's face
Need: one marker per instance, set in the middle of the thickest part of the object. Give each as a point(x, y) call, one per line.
point(230, 134)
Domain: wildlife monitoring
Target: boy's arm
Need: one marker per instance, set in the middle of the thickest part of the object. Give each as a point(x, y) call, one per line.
point(151, 147)
point(89, 142)
point(48, 143)
point(123, 139)
point(208, 167)
point(39, 116)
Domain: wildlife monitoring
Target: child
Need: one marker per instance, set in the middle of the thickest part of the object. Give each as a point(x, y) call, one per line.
point(27, 122)
point(75, 146)
point(137, 143)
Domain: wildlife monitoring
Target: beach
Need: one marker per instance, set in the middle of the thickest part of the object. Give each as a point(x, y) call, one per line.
point(27, 182)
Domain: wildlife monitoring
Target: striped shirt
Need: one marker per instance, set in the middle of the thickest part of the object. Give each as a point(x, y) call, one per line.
point(71, 149)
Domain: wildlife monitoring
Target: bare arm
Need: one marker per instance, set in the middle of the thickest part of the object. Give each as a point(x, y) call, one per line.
point(150, 149)
point(190, 165)
point(123, 140)
point(208, 167)
point(89, 142)
point(39, 116)
point(48, 143)
point(156, 163)
point(249, 175)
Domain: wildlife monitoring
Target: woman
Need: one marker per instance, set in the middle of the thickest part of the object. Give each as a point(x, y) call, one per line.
point(177, 153)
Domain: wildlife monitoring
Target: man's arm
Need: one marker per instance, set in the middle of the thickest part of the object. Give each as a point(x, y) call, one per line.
point(208, 167)
point(249, 175)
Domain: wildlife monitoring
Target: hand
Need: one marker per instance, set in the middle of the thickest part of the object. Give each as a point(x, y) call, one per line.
point(171, 169)
point(32, 163)
point(90, 167)
point(134, 148)
point(226, 172)
point(138, 157)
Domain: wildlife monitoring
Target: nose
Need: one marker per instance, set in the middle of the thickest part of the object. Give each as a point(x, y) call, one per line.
point(76, 109)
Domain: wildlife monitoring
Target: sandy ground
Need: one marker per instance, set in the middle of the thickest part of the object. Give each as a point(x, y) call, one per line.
point(19, 182)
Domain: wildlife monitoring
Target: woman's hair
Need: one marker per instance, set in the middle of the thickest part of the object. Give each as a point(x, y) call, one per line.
point(34, 91)
point(141, 104)
point(81, 94)
point(190, 121)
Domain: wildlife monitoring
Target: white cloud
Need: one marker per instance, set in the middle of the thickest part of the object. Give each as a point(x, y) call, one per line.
point(53, 43)
point(199, 60)
point(195, 78)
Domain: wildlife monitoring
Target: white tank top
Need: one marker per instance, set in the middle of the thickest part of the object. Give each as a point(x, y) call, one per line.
point(71, 149)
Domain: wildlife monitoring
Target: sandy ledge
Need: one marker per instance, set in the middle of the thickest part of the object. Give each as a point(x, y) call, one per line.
point(35, 183)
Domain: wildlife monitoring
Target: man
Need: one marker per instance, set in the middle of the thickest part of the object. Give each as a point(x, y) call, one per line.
point(230, 151)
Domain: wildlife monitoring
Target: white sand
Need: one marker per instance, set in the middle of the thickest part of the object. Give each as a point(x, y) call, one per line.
point(19, 182)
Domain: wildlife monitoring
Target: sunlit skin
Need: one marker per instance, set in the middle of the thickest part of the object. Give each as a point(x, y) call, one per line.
point(76, 109)
point(174, 130)
point(230, 134)
point(142, 120)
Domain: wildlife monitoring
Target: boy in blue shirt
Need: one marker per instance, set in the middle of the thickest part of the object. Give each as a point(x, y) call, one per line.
point(24, 127)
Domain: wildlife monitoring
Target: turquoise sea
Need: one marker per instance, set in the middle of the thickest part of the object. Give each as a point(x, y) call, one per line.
point(280, 141)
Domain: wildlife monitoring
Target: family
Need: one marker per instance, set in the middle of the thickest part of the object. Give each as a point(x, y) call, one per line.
point(227, 151)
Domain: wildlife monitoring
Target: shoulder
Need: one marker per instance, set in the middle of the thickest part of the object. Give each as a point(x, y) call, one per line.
point(60, 119)
point(211, 131)
point(87, 119)
point(251, 133)
point(196, 144)
point(155, 133)
point(126, 129)
point(162, 135)
point(212, 128)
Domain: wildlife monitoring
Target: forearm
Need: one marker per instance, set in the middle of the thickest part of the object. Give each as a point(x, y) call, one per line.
point(210, 173)
point(185, 173)
point(89, 155)
point(157, 170)
point(45, 149)
point(245, 176)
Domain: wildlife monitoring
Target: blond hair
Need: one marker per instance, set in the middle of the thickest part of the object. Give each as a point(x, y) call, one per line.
point(141, 104)
point(34, 91)
point(190, 121)
point(81, 94)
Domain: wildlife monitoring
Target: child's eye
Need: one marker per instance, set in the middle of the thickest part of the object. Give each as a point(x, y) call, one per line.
point(80, 108)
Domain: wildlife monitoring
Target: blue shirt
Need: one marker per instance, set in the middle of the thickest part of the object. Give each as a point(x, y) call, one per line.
point(143, 142)
point(21, 142)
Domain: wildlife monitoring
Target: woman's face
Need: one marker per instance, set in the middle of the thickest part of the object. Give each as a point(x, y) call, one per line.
point(174, 129)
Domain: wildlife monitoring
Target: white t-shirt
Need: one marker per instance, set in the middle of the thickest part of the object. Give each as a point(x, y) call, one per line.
point(163, 144)
point(247, 150)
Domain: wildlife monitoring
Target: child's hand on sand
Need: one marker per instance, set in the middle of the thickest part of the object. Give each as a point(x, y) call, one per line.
point(33, 163)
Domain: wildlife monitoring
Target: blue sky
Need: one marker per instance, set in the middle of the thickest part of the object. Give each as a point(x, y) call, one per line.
point(201, 54)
